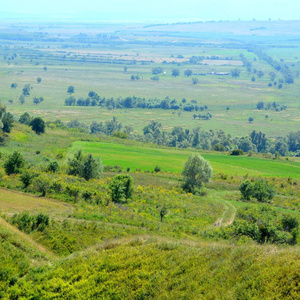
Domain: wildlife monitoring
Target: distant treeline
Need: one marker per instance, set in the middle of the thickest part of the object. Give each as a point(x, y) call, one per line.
point(195, 138)
point(94, 99)
point(281, 66)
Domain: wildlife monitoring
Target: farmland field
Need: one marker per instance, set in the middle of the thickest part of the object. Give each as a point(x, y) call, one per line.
point(99, 66)
point(146, 158)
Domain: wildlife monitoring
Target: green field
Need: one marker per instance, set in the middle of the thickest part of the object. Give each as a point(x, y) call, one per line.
point(146, 158)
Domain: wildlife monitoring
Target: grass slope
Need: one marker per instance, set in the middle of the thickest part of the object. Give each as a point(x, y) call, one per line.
point(147, 268)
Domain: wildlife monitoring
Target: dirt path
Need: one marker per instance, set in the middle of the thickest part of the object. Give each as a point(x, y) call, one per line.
point(228, 215)
point(48, 254)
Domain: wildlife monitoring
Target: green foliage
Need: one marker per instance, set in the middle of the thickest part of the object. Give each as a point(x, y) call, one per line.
point(27, 177)
point(237, 152)
point(120, 134)
point(73, 191)
point(86, 167)
point(14, 163)
point(196, 171)
point(260, 190)
point(25, 118)
point(121, 188)
point(157, 169)
point(71, 89)
point(29, 223)
point(41, 184)
point(264, 225)
point(175, 72)
point(163, 212)
point(7, 122)
point(53, 167)
point(38, 125)
point(235, 72)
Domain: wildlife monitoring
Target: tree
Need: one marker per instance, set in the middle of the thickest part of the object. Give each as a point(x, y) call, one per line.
point(261, 190)
point(188, 72)
point(36, 100)
point(53, 167)
point(42, 184)
point(246, 189)
point(26, 178)
point(26, 90)
point(39, 80)
point(37, 125)
point(14, 85)
point(125, 69)
point(250, 119)
point(235, 72)
point(84, 166)
point(252, 78)
point(196, 172)
point(260, 105)
point(157, 70)
point(71, 90)
point(73, 191)
point(195, 80)
point(121, 188)
point(14, 163)
point(25, 118)
point(260, 74)
point(22, 99)
point(7, 121)
point(155, 78)
point(91, 168)
point(175, 72)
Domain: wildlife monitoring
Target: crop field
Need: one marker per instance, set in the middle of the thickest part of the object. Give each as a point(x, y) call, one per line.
point(146, 158)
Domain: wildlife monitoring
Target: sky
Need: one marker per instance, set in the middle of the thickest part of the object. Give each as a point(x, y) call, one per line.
point(151, 10)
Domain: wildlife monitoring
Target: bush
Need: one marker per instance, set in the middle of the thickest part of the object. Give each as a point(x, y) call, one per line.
point(157, 169)
point(41, 184)
point(261, 190)
point(262, 224)
point(85, 166)
point(121, 188)
point(53, 167)
point(27, 177)
point(14, 163)
point(29, 223)
point(237, 152)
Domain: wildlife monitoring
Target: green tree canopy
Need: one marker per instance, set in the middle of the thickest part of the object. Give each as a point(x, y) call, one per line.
point(14, 163)
point(121, 188)
point(85, 166)
point(196, 171)
point(38, 125)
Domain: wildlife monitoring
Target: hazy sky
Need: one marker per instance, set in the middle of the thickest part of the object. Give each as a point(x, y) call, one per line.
point(153, 10)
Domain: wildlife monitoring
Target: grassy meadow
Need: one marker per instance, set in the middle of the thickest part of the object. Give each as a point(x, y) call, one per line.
point(170, 160)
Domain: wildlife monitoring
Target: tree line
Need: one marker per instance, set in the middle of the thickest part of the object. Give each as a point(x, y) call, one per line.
point(94, 99)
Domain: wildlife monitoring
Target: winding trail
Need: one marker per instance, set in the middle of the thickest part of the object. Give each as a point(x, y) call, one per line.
point(228, 215)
